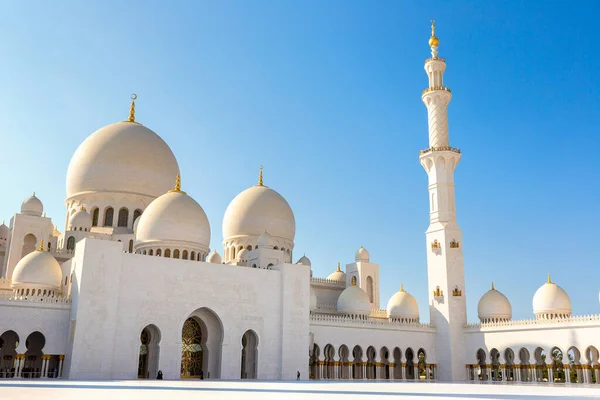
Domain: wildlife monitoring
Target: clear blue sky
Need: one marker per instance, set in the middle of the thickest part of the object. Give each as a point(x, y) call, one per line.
point(327, 96)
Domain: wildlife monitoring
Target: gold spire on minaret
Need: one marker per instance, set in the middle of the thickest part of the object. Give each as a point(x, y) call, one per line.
point(493, 286)
point(41, 248)
point(260, 180)
point(433, 40)
point(549, 281)
point(132, 108)
point(177, 188)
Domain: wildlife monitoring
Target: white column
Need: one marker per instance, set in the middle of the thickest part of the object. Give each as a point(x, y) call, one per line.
point(44, 363)
point(60, 365)
point(567, 369)
point(17, 365)
point(503, 372)
point(488, 370)
point(550, 373)
point(416, 371)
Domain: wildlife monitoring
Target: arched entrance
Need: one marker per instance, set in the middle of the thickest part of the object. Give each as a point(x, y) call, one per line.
point(249, 355)
point(149, 352)
point(201, 342)
point(410, 364)
point(9, 341)
point(397, 363)
point(32, 367)
point(357, 370)
point(314, 362)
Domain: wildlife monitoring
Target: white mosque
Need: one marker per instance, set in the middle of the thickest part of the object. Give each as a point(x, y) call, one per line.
point(131, 287)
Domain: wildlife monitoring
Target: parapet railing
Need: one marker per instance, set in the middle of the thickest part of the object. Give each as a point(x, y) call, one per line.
point(432, 89)
point(328, 281)
point(526, 322)
point(10, 296)
point(374, 323)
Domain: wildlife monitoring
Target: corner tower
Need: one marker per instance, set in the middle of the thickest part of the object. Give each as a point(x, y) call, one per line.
point(445, 268)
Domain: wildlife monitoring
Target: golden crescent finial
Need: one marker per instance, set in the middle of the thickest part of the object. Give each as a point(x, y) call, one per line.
point(493, 286)
point(177, 188)
point(338, 267)
point(402, 287)
point(433, 40)
point(132, 108)
point(549, 281)
point(353, 281)
point(41, 248)
point(260, 176)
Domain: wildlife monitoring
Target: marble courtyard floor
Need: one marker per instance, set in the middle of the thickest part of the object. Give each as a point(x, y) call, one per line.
point(154, 390)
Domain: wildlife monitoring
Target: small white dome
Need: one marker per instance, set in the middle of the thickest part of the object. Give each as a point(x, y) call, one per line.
point(362, 254)
point(403, 306)
point(37, 270)
point(266, 241)
point(305, 261)
point(174, 219)
point(354, 300)
point(494, 305)
point(125, 157)
point(313, 299)
point(4, 232)
point(80, 219)
point(337, 275)
point(242, 255)
point(214, 258)
point(551, 301)
point(256, 209)
point(32, 206)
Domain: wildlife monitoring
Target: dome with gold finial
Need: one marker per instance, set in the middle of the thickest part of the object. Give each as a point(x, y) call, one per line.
point(174, 220)
point(304, 261)
point(125, 157)
point(37, 271)
point(337, 275)
point(494, 306)
point(254, 210)
point(403, 307)
point(551, 301)
point(433, 40)
point(354, 301)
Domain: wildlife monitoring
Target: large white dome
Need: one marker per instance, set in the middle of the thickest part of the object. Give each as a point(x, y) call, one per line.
point(551, 301)
point(354, 301)
point(174, 219)
point(403, 306)
point(256, 209)
point(32, 206)
point(125, 157)
point(37, 270)
point(493, 306)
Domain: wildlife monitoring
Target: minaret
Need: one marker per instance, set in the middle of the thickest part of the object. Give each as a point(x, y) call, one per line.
point(445, 269)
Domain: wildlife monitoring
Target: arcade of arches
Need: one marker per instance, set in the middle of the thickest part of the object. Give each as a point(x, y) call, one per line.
point(353, 363)
point(552, 367)
point(33, 363)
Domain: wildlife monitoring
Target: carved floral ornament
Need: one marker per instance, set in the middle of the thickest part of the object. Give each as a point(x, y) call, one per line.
point(436, 245)
point(454, 244)
point(437, 292)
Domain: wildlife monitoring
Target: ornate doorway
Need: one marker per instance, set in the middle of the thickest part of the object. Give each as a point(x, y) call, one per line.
point(143, 359)
point(191, 350)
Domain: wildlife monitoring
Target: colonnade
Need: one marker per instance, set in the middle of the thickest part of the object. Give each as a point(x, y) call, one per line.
point(362, 370)
point(19, 369)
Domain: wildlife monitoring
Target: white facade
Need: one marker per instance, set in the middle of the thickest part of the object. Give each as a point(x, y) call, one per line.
point(132, 288)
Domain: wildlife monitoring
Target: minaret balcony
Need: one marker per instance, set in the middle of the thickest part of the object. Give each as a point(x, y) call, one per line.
point(434, 88)
point(441, 148)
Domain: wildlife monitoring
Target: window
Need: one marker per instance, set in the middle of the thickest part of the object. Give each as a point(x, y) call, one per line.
point(131, 246)
point(136, 214)
point(168, 253)
point(71, 243)
point(123, 217)
point(108, 216)
point(176, 253)
point(95, 216)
